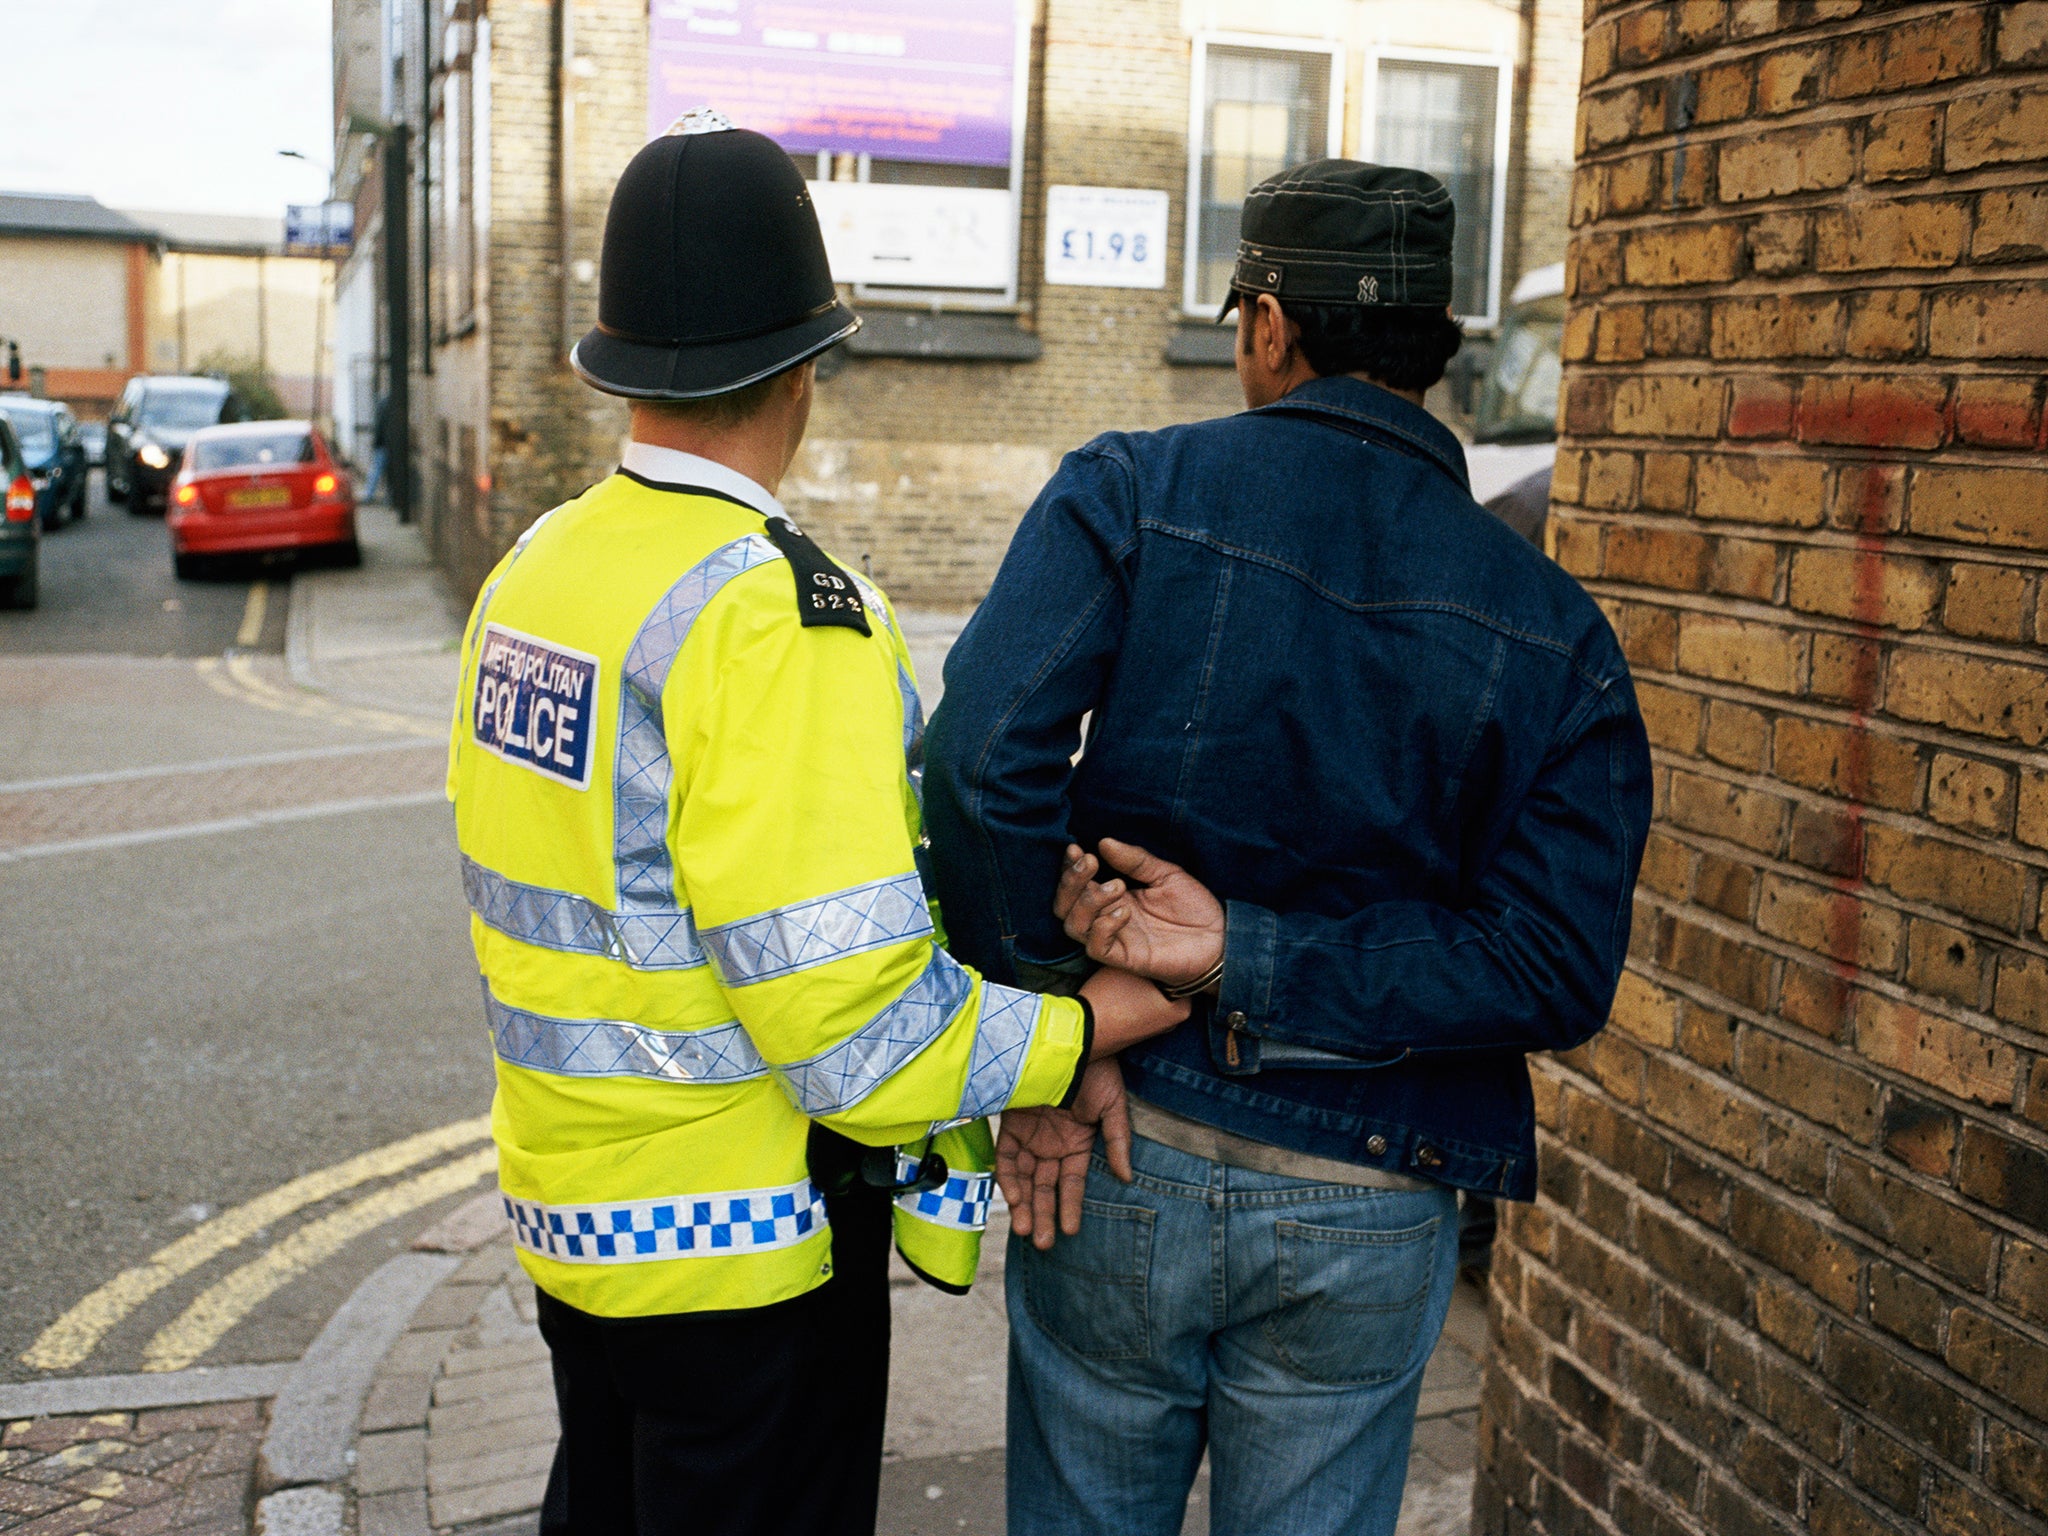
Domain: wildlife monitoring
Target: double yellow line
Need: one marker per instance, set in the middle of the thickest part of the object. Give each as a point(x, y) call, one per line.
point(72, 1337)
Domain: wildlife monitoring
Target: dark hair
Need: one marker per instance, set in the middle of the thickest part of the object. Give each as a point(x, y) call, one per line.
point(1404, 346)
point(719, 412)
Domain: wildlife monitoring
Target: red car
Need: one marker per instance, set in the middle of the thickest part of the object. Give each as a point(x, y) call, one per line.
point(260, 487)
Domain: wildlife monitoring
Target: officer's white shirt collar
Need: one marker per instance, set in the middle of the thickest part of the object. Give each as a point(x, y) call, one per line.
point(671, 466)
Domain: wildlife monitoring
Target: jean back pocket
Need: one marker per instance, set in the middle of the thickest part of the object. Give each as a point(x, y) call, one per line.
point(1352, 1302)
point(1089, 1291)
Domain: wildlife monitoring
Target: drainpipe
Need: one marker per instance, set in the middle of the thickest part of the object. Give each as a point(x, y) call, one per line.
point(565, 167)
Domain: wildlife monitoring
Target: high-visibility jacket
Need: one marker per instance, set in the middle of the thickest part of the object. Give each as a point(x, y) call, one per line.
point(688, 824)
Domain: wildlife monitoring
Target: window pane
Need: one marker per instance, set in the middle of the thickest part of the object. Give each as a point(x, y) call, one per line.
point(1439, 118)
point(1264, 111)
point(253, 451)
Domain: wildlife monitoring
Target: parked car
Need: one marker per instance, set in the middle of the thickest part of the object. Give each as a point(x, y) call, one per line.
point(260, 488)
point(1514, 435)
point(21, 531)
point(147, 434)
point(48, 435)
point(94, 435)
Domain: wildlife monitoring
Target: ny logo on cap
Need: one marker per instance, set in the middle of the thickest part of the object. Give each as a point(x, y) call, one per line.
point(1368, 289)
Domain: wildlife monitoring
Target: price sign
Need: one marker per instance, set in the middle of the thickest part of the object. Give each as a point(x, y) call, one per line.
point(1105, 237)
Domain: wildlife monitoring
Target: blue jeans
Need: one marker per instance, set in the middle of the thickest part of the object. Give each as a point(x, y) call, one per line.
point(1282, 1324)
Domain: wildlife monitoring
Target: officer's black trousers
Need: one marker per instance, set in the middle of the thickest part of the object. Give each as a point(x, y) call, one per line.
point(762, 1422)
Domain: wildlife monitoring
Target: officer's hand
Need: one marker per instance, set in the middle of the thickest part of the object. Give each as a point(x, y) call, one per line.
point(1042, 1154)
point(1128, 1009)
point(1151, 916)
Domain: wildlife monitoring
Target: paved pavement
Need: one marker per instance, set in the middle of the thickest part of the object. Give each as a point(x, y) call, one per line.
point(459, 1428)
point(240, 1032)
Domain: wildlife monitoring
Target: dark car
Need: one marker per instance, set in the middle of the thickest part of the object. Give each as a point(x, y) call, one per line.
point(147, 434)
point(21, 531)
point(49, 439)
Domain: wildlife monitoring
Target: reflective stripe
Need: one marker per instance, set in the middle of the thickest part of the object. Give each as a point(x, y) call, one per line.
point(671, 1227)
point(533, 914)
point(960, 1204)
point(1002, 1039)
point(614, 1048)
point(809, 933)
point(643, 773)
point(837, 1079)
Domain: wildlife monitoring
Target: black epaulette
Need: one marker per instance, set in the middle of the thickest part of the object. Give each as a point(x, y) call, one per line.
point(824, 593)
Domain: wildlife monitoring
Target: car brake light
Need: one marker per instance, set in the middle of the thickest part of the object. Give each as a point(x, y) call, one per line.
point(187, 495)
point(325, 485)
point(21, 500)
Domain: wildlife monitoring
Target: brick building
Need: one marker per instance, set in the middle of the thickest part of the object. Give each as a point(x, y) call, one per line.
point(938, 423)
point(1789, 1269)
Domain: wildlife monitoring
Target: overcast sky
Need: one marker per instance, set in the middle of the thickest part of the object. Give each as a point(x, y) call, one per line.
point(167, 104)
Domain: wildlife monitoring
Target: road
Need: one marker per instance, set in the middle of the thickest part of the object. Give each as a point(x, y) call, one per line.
point(234, 954)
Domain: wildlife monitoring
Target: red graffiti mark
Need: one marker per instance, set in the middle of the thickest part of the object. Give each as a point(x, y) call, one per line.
point(1845, 909)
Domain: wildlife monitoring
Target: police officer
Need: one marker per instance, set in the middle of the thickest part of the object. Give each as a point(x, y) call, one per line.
point(731, 1053)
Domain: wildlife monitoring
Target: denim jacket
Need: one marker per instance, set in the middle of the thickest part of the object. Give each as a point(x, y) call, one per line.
point(1397, 742)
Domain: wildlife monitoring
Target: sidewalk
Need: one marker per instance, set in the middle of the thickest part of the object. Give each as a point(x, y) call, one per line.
point(459, 1427)
point(384, 637)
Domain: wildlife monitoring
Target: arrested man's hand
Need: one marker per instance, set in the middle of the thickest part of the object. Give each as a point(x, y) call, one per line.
point(1150, 916)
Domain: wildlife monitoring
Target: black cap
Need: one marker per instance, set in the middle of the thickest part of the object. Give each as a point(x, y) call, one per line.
point(714, 271)
point(1344, 232)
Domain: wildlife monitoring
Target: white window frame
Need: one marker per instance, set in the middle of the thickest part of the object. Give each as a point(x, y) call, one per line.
point(1504, 101)
point(971, 298)
point(1198, 111)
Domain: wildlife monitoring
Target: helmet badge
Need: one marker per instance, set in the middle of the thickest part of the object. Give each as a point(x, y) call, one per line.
point(699, 120)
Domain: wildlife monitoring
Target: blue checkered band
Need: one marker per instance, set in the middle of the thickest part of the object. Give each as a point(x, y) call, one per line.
point(614, 1048)
point(961, 1203)
point(809, 933)
point(837, 1079)
point(576, 925)
point(673, 1227)
point(1002, 1040)
point(647, 876)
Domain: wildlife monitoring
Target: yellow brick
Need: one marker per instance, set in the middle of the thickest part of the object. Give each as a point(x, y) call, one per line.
point(1675, 257)
point(1737, 735)
point(2012, 224)
point(1852, 763)
point(2007, 508)
point(1828, 922)
point(1935, 1050)
point(1965, 792)
point(1645, 1010)
point(1794, 160)
point(1901, 144)
point(1671, 718)
point(1996, 128)
point(1665, 405)
point(1789, 492)
point(1716, 808)
point(1943, 874)
point(1988, 601)
point(1737, 651)
point(1969, 694)
point(1927, 232)
point(2005, 320)
point(1894, 591)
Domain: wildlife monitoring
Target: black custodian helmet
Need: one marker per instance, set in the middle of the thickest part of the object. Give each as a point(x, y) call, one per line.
point(714, 273)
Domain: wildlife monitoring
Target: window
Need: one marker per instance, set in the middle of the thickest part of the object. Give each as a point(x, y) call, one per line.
point(920, 230)
point(1447, 114)
point(258, 450)
point(1259, 105)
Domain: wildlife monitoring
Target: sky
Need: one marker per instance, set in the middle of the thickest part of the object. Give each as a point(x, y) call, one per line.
point(168, 104)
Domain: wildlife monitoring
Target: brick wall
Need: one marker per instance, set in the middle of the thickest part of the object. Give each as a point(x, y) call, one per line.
point(1788, 1270)
point(918, 467)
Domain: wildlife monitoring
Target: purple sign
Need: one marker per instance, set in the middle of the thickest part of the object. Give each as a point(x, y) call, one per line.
point(899, 79)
